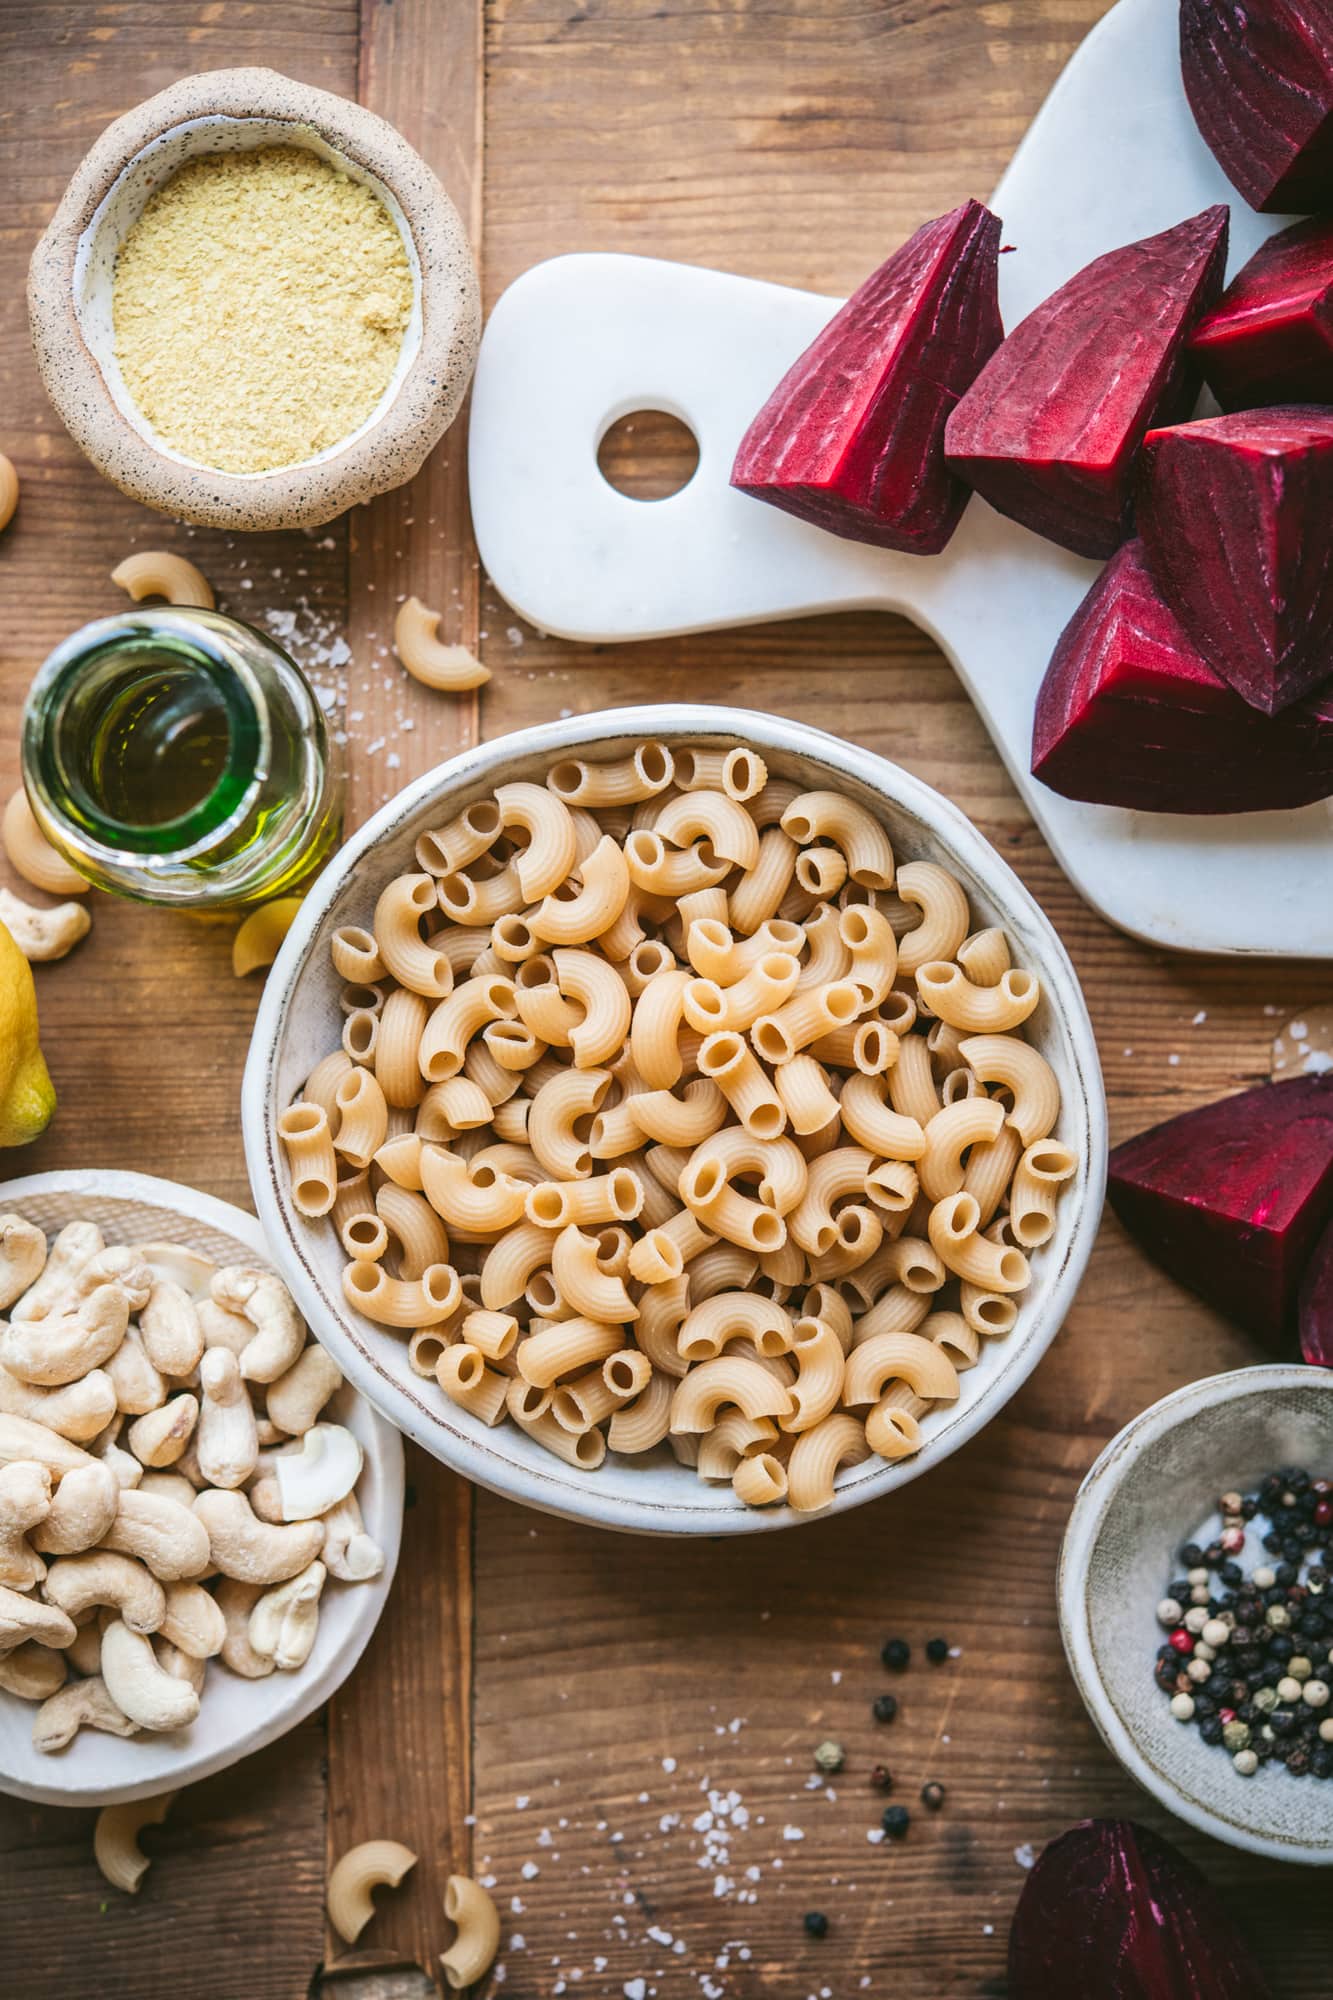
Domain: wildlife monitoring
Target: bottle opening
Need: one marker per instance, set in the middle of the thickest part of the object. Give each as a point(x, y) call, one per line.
point(154, 742)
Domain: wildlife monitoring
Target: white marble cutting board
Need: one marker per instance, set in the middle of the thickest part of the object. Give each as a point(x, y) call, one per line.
point(580, 341)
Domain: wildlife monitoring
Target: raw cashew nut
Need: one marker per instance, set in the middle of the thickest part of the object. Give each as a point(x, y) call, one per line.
point(169, 1326)
point(22, 1256)
point(356, 1874)
point(322, 1473)
point(21, 1437)
point(169, 1486)
point(9, 491)
point(295, 1400)
point(123, 1463)
point(81, 1512)
point(265, 1300)
point(139, 1685)
point(265, 1497)
point(32, 855)
point(139, 1385)
point(24, 1618)
point(73, 1247)
point(65, 1345)
point(417, 642)
point(222, 1328)
point(226, 1441)
point(160, 1437)
point(116, 1848)
point(118, 1265)
point(33, 1672)
point(188, 1268)
point(85, 1655)
point(236, 1600)
point(162, 573)
point(79, 1705)
point(169, 1538)
point(349, 1553)
point(182, 1666)
point(249, 1549)
point(284, 1622)
point(78, 1583)
point(25, 1501)
point(42, 935)
point(193, 1621)
point(79, 1411)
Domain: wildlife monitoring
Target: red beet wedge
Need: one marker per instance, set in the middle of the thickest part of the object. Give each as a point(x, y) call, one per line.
point(1259, 78)
point(852, 438)
point(1049, 430)
point(1234, 514)
point(1231, 1198)
point(1114, 1912)
point(1316, 1304)
point(1270, 338)
point(1130, 714)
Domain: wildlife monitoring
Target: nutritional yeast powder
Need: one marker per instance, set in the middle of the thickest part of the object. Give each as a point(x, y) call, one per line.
point(259, 305)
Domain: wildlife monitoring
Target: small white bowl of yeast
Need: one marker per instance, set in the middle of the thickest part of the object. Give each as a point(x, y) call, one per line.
point(733, 1394)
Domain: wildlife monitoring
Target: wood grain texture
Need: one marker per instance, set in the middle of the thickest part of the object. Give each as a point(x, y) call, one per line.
point(399, 1733)
point(617, 1683)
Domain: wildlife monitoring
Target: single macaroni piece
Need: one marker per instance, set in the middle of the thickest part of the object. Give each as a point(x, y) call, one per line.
point(417, 642)
point(260, 937)
point(32, 855)
point(9, 491)
point(162, 573)
point(672, 1110)
point(472, 1952)
point(356, 1874)
point(116, 1848)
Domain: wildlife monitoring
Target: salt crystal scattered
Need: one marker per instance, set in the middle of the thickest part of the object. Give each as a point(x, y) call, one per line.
point(1024, 1855)
point(668, 1765)
point(529, 1871)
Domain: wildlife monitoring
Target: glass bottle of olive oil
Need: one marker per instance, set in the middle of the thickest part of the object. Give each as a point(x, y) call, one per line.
point(177, 756)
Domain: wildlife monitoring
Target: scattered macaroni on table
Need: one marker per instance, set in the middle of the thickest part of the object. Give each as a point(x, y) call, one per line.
point(668, 1112)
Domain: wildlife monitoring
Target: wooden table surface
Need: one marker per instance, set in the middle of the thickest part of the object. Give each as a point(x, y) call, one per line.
point(617, 1734)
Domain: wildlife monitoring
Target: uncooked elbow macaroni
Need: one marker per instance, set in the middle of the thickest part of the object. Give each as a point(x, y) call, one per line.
point(672, 1111)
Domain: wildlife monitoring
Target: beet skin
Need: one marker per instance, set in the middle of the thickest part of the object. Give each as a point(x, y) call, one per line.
point(1130, 714)
point(1112, 1911)
point(1259, 78)
point(1050, 429)
point(852, 438)
point(1270, 337)
point(1231, 1198)
point(1316, 1304)
point(1234, 513)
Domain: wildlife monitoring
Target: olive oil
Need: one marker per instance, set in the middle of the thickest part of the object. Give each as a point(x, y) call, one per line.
point(179, 756)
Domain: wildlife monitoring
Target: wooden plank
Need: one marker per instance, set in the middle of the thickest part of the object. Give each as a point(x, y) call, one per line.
point(399, 1734)
point(800, 147)
point(144, 1027)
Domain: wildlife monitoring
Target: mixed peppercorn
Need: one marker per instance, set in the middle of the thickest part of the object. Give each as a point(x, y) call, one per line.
point(1248, 1658)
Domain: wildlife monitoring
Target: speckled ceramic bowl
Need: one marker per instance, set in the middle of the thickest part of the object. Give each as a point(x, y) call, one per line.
point(1153, 1488)
point(300, 1021)
point(69, 300)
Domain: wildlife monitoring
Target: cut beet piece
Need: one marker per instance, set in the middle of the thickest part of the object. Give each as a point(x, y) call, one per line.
point(852, 438)
point(1231, 1198)
point(1270, 338)
point(1049, 430)
point(1111, 1911)
point(1259, 78)
point(1315, 1311)
point(1130, 714)
point(1234, 513)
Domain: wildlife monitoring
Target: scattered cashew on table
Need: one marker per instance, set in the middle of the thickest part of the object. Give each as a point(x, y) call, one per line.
point(145, 1396)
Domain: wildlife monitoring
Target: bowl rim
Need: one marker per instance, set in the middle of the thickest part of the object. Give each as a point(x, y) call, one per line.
point(1101, 1483)
point(558, 1489)
point(383, 453)
point(307, 1692)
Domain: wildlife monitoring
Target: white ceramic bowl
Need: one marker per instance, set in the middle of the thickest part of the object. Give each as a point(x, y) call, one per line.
point(1153, 1488)
point(236, 1716)
point(299, 1021)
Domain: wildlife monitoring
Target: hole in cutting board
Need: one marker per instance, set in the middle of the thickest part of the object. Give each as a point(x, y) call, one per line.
point(648, 455)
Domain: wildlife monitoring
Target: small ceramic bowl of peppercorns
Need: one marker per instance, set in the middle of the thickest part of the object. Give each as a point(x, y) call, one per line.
point(1196, 1606)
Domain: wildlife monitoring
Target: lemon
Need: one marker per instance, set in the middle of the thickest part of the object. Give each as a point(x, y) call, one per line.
point(27, 1095)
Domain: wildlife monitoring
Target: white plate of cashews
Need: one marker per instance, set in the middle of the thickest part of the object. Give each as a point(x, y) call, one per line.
point(605, 1236)
point(199, 1519)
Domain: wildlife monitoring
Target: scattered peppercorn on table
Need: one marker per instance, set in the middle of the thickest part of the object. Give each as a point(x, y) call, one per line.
point(669, 1761)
